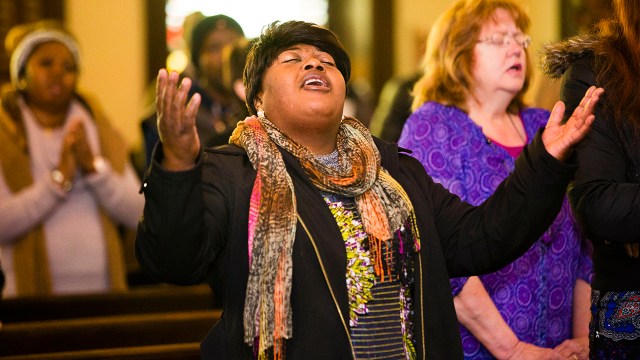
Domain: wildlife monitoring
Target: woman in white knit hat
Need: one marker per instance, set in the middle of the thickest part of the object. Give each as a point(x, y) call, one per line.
point(66, 181)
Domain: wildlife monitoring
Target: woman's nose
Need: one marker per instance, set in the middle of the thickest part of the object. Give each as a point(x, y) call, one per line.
point(514, 47)
point(313, 63)
point(58, 69)
point(56, 72)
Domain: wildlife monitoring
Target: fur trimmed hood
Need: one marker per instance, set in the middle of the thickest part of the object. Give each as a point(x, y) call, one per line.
point(557, 57)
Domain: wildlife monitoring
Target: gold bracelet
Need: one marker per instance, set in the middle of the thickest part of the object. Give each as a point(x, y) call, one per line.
point(58, 178)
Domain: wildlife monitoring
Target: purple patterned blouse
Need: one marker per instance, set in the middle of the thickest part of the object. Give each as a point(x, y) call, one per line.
point(534, 294)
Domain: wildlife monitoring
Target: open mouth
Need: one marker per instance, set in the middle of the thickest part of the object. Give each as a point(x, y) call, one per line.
point(517, 67)
point(315, 81)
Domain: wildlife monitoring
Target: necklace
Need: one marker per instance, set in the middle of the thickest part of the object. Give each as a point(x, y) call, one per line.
point(520, 135)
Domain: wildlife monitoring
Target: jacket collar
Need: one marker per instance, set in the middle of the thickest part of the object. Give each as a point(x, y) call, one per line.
point(558, 57)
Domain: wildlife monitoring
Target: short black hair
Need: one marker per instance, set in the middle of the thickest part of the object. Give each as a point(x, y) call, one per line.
point(276, 38)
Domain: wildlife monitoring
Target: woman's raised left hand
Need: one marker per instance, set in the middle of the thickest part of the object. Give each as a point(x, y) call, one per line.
point(177, 121)
point(560, 138)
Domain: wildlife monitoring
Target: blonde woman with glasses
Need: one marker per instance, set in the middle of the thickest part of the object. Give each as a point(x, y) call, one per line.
point(468, 127)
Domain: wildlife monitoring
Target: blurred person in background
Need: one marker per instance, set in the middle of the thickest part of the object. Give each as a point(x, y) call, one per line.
point(217, 116)
point(606, 189)
point(233, 59)
point(469, 126)
point(66, 180)
point(394, 107)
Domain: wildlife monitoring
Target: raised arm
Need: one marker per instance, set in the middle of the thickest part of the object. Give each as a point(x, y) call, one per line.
point(177, 121)
point(171, 240)
point(522, 207)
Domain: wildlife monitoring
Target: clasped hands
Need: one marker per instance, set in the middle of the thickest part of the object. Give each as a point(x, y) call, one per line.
point(76, 154)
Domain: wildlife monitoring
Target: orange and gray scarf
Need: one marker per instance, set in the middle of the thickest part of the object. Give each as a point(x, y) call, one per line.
point(382, 202)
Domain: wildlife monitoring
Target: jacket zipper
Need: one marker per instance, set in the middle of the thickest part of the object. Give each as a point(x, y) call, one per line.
point(326, 279)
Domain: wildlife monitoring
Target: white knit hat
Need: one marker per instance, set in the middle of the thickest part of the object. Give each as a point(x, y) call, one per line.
point(26, 46)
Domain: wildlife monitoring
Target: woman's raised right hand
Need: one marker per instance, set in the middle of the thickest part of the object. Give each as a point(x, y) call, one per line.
point(177, 121)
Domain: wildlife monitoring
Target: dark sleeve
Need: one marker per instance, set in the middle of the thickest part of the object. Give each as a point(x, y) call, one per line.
point(482, 239)
point(398, 112)
point(575, 82)
point(171, 244)
point(605, 200)
point(150, 136)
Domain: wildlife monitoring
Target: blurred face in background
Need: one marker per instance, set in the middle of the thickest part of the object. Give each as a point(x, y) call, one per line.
point(499, 57)
point(211, 57)
point(50, 77)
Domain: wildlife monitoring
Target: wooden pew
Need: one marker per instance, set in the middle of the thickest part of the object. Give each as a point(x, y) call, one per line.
point(152, 299)
point(122, 331)
point(187, 351)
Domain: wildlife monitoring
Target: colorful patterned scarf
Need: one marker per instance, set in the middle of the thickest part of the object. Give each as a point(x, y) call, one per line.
point(383, 204)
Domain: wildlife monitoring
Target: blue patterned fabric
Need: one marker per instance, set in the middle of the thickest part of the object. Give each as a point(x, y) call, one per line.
point(617, 314)
point(534, 294)
point(614, 331)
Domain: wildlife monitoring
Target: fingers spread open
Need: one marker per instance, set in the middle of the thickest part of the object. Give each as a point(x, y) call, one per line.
point(161, 84)
point(583, 114)
point(588, 103)
point(192, 106)
point(181, 98)
point(592, 100)
point(556, 114)
point(169, 96)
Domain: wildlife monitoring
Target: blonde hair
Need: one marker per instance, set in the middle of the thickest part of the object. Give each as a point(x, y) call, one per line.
point(448, 61)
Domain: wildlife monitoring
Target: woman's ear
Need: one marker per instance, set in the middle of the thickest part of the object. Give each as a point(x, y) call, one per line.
point(257, 102)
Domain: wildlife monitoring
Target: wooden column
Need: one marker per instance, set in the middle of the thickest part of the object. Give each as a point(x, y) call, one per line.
point(15, 12)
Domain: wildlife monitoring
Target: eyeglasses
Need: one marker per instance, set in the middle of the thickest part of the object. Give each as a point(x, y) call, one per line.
point(504, 39)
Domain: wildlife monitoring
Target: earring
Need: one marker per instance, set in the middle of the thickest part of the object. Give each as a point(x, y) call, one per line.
point(260, 113)
point(22, 84)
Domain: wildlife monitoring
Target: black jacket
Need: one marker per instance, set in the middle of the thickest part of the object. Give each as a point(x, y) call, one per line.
point(606, 193)
point(194, 229)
